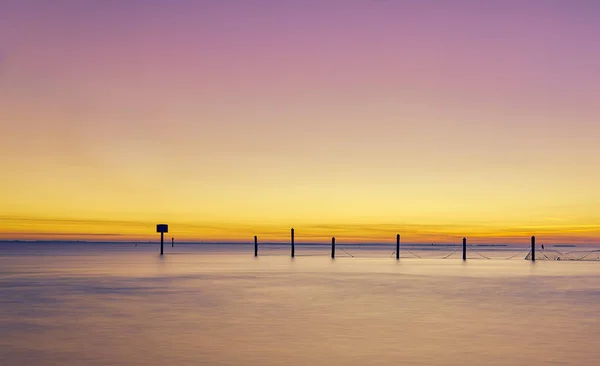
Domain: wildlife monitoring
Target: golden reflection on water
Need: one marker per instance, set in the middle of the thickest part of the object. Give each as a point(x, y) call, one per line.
point(126, 307)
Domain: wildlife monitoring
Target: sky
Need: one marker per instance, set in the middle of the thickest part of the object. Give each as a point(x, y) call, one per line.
point(357, 119)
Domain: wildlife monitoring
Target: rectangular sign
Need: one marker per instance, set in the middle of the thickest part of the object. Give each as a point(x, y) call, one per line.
point(162, 228)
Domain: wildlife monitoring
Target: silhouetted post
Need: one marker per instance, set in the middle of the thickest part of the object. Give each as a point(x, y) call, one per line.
point(172, 242)
point(533, 248)
point(293, 249)
point(255, 246)
point(333, 247)
point(162, 229)
point(464, 249)
point(397, 246)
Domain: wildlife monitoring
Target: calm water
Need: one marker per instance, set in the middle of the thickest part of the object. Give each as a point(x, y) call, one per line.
point(124, 305)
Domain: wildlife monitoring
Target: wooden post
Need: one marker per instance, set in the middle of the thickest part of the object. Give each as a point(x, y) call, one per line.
point(533, 248)
point(333, 247)
point(255, 246)
point(397, 246)
point(172, 242)
point(464, 249)
point(293, 249)
point(162, 239)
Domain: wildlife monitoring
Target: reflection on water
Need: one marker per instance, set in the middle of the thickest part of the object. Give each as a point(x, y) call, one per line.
point(120, 305)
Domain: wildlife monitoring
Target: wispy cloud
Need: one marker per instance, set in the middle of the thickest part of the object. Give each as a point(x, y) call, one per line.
point(16, 227)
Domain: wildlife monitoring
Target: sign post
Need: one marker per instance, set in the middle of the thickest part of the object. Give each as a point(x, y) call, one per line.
point(162, 229)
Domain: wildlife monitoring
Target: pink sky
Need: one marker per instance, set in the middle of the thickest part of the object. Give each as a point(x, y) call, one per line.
point(287, 112)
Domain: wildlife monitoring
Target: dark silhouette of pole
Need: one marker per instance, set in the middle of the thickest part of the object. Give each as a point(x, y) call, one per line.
point(333, 247)
point(255, 246)
point(464, 249)
point(172, 242)
point(162, 239)
point(162, 229)
point(293, 249)
point(397, 246)
point(533, 248)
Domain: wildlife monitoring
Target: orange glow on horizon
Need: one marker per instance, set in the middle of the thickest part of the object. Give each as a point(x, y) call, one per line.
point(114, 231)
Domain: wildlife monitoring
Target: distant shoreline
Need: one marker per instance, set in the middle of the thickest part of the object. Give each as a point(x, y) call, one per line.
point(84, 242)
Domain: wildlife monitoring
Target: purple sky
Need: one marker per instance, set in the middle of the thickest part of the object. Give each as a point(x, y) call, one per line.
point(475, 108)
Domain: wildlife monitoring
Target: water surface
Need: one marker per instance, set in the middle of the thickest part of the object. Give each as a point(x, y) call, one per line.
point(93, 304)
